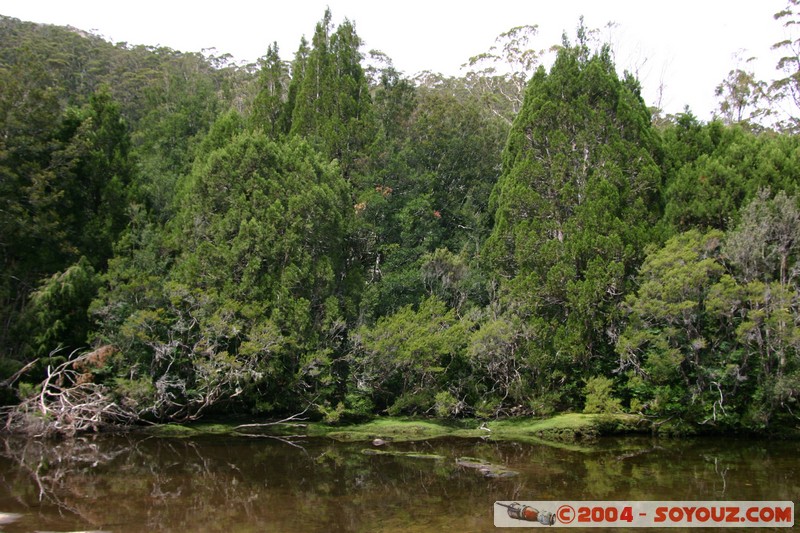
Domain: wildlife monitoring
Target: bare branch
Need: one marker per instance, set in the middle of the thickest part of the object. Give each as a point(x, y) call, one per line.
point(295, 416)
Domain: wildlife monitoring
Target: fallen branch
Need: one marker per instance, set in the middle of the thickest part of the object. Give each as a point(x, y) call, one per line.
point(284, 439)
point(18, 374)
point(67, 405)
point(295, 416)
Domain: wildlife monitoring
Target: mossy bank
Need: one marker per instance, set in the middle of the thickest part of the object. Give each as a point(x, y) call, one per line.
point(563, 428)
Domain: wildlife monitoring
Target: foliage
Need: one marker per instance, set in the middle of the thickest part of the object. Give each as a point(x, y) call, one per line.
point(65, 194)
point(600, 396)
point(722, 169)
point(251, 300)
point(269, 104)
point(740, 97)
point(712, 331)
point(665, 350)
point(409, 355)
point(500, 74)
point(59, 308)
point(333, 105)
point(332, 235)
point(574, 208)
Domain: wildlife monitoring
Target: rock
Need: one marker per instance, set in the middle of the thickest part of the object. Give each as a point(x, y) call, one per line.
point(486, 468)
point(378, 442)
point(411, 455)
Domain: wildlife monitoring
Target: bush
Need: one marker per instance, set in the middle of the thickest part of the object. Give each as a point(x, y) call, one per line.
point(599, 396)
point(445, 404)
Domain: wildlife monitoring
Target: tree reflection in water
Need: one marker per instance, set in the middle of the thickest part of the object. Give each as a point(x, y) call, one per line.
point(136, 483)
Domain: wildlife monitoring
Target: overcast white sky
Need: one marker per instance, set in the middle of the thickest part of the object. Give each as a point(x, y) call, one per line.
point(689, 45)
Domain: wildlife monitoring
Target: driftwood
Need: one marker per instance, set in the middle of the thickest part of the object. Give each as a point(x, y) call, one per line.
point(296, 416)
point(67, 404)
point(238, 430)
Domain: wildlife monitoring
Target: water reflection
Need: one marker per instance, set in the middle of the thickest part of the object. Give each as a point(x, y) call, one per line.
point(136, 483)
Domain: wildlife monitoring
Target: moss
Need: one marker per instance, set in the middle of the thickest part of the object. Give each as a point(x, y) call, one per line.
point(196, 429)
point(395, 429)
point(565, 428)
point(410, 455)
point(562, 430)
point(215, 429)
point(171, 430)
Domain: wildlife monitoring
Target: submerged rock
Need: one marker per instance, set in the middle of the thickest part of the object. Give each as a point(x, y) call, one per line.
point(486, 468)
point(412, 455)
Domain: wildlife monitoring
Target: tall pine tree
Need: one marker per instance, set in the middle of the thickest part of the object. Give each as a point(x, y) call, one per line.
point(574, 208)
point(333, 107)
point(270, 101)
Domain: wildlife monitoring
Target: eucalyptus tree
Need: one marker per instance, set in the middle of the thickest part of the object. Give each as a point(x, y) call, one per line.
point(499, 75)
point(786, 89)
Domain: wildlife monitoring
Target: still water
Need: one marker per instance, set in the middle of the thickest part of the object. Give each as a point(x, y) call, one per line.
point(138, 483)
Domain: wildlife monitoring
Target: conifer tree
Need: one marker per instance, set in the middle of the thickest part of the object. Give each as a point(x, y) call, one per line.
point(333, 107)
point(297, 74)
point(574, 208)
point(270, 100)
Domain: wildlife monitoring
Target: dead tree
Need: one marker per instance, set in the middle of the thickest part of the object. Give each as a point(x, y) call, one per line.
point(68, 403)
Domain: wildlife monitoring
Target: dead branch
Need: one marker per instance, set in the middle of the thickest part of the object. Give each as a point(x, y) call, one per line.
point(67, 405)
point(284, 439)
point(18, 374)
point(295, 416)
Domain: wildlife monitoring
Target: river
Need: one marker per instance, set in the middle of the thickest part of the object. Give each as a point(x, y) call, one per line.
point(137, 483)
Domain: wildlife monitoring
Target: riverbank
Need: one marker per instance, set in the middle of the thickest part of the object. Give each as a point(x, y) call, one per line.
point(564, 428)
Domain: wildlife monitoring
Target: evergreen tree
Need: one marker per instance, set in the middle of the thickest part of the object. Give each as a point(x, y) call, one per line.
point(574, 208)
point(333, 107)
point(712, 171)
point(65, 193)
point(98, 193)
point(271, 98)
point(32, 243)
point(297, 74)
point(256, 298)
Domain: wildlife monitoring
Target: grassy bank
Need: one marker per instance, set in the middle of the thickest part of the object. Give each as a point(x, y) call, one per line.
point(563, 428)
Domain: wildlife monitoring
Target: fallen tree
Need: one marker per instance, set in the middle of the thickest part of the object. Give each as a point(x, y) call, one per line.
point(68, 403)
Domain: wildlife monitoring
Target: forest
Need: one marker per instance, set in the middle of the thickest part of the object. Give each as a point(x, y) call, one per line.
point(184, 236)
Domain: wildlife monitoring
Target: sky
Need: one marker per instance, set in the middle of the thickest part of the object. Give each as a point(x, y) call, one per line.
point(678, 49)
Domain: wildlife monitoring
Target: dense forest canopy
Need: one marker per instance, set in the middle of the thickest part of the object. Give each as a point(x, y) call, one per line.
point(181, 235)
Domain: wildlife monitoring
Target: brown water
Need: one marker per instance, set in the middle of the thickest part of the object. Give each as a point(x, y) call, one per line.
point(137, 483)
